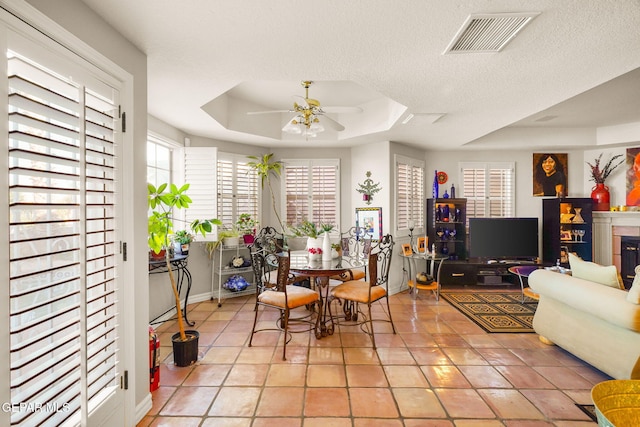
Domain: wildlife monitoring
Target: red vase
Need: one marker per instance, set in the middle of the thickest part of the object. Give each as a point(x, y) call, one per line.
point(600, 197)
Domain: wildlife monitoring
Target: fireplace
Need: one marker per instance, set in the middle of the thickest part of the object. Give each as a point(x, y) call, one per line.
point(629, 258)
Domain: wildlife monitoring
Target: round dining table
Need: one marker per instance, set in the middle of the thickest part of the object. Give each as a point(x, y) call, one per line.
point(320, 272)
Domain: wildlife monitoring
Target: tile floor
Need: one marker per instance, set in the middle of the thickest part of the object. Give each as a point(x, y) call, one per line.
point(439, 370)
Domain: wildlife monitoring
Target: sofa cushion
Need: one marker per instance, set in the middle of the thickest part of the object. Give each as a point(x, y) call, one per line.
point(605, 302)
point(634, 293)
point(605, 275)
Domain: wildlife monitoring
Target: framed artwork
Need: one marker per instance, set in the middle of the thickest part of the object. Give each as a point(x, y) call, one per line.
point(370, 221)
point(406, 249)
point(550, 174)
point(422, 244)
point(633, 176)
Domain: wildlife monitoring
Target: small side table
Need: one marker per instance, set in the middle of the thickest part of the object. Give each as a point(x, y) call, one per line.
point(523, 271)
point(410, 270)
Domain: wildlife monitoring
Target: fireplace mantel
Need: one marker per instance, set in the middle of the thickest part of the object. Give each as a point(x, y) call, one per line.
point(603, 234)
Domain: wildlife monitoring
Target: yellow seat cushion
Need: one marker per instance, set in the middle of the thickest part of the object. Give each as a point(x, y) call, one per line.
point(297, 296)
point(358, 290)
point(357, 274)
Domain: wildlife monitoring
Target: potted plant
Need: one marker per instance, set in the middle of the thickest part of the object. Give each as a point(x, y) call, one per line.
point(162, 201)
point(312, 232)
point(183, 238)
point(229, 236)
point(266, 168)
point(246, 226)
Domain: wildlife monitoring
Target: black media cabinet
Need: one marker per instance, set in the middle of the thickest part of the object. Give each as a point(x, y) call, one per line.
point(460, 273)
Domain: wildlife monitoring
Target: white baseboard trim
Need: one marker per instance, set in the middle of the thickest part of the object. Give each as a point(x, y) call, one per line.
point(143, 408)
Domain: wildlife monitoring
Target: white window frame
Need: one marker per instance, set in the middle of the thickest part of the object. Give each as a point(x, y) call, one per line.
point(174, 151)
point(310, 163)
point(415, 209)
point(506, 196)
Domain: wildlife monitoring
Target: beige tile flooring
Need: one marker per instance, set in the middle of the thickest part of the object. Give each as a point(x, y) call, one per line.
point(439, 370)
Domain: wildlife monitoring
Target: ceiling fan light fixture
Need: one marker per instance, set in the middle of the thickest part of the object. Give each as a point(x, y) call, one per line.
point(293, 127)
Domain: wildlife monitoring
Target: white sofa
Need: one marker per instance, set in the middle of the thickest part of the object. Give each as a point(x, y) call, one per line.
point(592, 321)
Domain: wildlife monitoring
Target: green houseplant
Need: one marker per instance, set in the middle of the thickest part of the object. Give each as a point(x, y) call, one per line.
point(183, 238)
point(266, 168)
point(162, 201)
point(246, 226)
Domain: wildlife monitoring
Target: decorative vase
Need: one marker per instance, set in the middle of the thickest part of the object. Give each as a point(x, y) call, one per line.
point(248, 239)
point(445, 213)
point(326, 248)
point(600, 196)
point(453, 191)
point(578, 218)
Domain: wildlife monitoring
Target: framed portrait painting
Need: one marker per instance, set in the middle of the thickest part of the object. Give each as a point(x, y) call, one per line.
point(550, 174)
point(369, 220)
point(633, 176)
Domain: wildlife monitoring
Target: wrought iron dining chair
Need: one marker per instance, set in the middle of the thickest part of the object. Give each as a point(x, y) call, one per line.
point(354, 242)
point(283, 296)
point(355, 293)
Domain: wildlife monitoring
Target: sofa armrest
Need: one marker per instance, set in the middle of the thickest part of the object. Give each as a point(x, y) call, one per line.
point(605, 302)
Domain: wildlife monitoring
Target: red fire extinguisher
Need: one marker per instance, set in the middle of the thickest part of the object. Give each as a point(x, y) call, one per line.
point(154, 359)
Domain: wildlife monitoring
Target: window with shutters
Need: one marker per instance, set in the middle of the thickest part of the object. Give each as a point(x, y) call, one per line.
point(312, 191)
point(158, 161)
point(409, 193)
point(237, 188)
point(489, 189)
point(63, 263)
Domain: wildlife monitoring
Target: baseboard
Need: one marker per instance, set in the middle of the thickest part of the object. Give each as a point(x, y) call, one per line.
point(143, 408)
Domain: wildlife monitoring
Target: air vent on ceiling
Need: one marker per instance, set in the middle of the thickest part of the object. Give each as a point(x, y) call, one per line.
point(488, 32)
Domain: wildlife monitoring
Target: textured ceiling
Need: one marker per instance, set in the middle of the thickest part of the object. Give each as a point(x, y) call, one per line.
point(574, 61)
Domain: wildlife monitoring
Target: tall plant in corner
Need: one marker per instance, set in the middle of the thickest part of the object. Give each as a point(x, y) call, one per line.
point(265, 168)
point(162, 201)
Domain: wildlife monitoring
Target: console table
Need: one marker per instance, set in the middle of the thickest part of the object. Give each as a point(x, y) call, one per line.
point(182, 275)
point(410, 271)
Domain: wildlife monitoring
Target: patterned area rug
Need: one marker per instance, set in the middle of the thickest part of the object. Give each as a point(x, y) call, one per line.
point(495, 311)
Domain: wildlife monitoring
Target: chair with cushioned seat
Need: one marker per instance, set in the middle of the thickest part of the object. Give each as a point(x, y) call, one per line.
point(283, 296)
point(354, 293)
point(355, 241)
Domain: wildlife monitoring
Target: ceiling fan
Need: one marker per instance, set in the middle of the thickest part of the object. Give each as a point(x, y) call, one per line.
point(307, 112)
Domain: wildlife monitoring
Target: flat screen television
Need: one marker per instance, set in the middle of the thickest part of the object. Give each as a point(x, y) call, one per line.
point(503, 238)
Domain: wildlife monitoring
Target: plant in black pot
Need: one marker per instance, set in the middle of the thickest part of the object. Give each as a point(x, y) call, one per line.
point(162, 201)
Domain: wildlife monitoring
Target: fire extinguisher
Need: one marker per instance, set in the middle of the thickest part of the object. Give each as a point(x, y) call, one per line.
point(154, 359)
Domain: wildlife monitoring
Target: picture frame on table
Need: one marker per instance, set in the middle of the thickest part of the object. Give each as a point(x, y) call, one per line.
point(369, 221)
point(406, 249)
point(422, 244)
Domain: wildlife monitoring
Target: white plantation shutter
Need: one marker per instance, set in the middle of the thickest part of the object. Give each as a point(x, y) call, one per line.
point(63, 284)
point(237, 188)
point(489, 189)
point(200, 173)
point(312, 191)
point(409, 192)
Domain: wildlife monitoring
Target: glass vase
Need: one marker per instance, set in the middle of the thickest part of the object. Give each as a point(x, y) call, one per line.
point(600, 196)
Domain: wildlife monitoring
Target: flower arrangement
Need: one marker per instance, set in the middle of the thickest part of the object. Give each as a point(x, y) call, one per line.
point(246, 225)
point(598, 175)
point(311, 229)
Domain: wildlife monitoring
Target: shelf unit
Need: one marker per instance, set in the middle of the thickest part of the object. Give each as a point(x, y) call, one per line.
point(438, 227)
point(558, 225)
point(222, 271)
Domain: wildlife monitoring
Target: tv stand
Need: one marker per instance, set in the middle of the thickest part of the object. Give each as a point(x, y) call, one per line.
point(479, 272)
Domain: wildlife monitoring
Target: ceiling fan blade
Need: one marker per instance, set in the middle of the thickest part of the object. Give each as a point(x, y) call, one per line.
point(331, 123)
point(251, 113)
point(301, 101)
point(342, 110)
